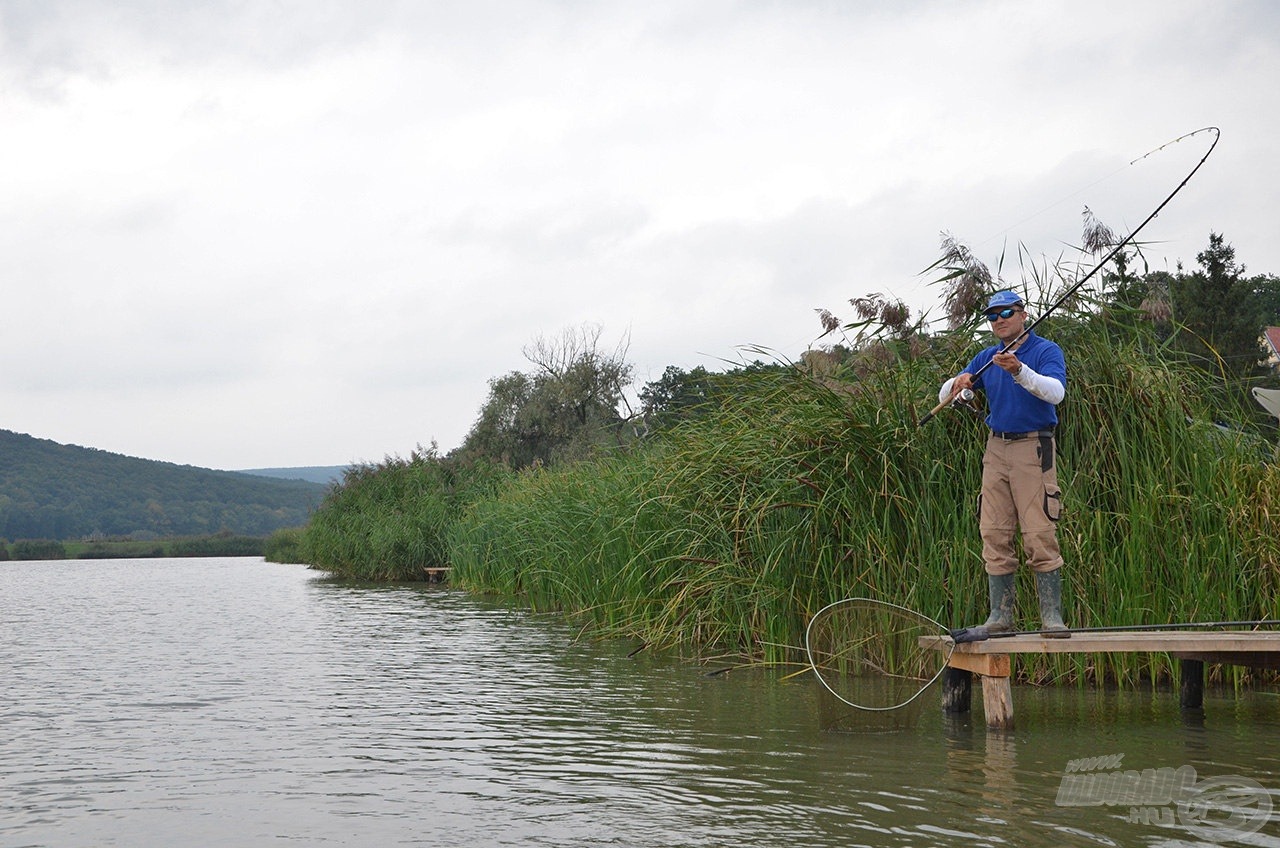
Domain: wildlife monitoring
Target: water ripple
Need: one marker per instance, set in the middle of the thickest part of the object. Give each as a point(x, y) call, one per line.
point(203, 702)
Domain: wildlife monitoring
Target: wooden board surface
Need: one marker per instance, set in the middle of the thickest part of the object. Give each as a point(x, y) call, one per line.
point(1217, 642)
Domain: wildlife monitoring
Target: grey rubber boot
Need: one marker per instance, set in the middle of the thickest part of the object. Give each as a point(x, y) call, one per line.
point(1002, 590)
point(1049, 588)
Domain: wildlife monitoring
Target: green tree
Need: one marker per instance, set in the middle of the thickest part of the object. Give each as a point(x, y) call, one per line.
point(500, 432)
point(563, 410)
point(676, 396)
point(1221, 317)
point(1266, 290)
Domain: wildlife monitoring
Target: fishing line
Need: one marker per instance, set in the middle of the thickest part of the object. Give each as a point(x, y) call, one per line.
point(1055, 204)
point(1115, 250)
point(1080, 191)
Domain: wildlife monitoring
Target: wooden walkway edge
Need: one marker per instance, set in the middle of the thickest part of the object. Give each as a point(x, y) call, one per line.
point(991, 659)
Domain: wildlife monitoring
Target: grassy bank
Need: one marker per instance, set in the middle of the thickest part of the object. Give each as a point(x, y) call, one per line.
point(221, 544)
point(809, 484)
point(389, 521)
point(803, 489)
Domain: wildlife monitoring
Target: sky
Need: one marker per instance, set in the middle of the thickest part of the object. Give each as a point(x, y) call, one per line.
point(241, 234)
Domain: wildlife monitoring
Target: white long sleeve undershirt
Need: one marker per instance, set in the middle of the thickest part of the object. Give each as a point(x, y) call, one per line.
point(1048, 389)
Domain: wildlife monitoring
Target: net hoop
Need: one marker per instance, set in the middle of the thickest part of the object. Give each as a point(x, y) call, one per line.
point(896, 608)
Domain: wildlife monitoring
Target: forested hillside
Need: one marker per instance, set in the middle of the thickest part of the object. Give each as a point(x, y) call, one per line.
point(54, 491)
point(324, 474)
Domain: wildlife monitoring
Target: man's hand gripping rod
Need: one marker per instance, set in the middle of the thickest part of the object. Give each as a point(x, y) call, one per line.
point(928, 416)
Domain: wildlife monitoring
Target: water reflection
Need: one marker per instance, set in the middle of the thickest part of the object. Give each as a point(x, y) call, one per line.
point(236, 702)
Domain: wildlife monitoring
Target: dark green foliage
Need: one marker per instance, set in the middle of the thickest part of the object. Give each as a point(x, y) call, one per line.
point(1266, 293)
point(1221, 320)
point(504, 429)
point(794, 491)
point(285, 545)
point(564, 410)
point(127, 549)
point(54, 491)
point(1213, 318)
point(676, 396)
point(808, 487)
point(776, 490)
point(216, 545)
point(680, 395)
point(388, 521)
point(26, 549)
point(220, 545)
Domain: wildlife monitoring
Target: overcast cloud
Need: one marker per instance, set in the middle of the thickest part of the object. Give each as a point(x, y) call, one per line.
point(239, 234)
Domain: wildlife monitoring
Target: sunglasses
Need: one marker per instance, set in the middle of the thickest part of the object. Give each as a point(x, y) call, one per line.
point(1003, 313)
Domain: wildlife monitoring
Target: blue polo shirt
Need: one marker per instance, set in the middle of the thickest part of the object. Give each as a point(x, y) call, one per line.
point(1011, 408)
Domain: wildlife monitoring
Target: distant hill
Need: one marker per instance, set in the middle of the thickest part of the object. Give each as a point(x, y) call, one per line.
point(54, 491)
point(325, 474)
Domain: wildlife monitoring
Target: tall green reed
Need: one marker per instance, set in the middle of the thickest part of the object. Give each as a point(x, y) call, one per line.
point(388, 521)
point(804, 487)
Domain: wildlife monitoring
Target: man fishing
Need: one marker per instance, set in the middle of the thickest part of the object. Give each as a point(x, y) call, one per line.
point(1019, 480)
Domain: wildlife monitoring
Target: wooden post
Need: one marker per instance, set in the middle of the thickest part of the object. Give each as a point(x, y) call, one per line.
point(997, 702)
point(997, 694)
point(1192, 695)
point(957, 690)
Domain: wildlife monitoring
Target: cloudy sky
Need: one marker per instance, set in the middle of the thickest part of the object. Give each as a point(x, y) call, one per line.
point(241, 233)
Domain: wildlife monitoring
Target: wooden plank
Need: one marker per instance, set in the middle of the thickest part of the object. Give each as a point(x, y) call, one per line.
point(990, 658)
point(1161, 641)
point(988, 665)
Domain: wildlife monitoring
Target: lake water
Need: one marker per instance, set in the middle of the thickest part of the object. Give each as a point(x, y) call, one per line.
point(242, 703)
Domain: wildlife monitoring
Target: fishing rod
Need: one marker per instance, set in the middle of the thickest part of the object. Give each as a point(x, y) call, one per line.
point(1217, 134)
point(982, 634)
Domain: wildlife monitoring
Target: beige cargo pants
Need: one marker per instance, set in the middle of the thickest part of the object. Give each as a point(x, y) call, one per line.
point(1019, 491)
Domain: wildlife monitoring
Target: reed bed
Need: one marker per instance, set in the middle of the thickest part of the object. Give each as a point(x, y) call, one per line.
point(726, 535)
point(388, 521)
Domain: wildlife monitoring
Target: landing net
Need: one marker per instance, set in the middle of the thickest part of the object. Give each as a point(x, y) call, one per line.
point(875, 657)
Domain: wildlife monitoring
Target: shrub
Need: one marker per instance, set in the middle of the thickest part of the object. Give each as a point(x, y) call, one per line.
point(27, 549)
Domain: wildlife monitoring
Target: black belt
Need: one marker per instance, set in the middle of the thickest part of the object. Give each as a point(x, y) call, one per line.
point(1013, 437)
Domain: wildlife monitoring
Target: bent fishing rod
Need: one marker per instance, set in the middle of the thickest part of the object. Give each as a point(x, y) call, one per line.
point(1096, 268)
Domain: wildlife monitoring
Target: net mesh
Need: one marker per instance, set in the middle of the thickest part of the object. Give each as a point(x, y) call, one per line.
point(874, 657)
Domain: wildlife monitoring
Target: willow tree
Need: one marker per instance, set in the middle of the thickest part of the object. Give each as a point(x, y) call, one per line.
point(570, 404)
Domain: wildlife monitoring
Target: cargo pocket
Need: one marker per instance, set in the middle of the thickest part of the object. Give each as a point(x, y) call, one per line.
point(1053, 504)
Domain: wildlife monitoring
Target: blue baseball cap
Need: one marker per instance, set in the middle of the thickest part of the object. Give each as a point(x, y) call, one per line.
point(1001, 299)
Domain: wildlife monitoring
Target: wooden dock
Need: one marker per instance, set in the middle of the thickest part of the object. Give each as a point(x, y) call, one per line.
point(991, 659)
